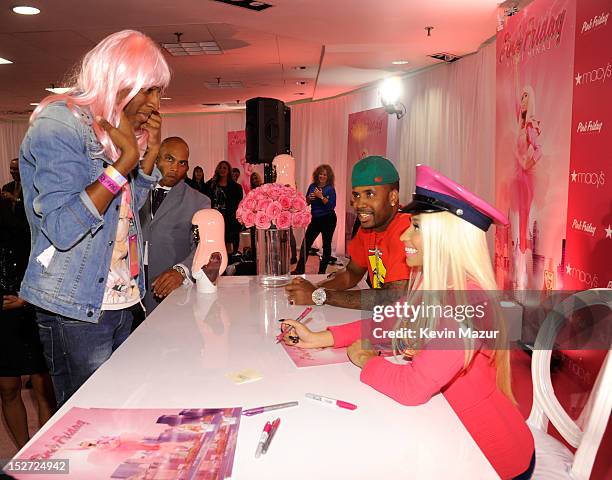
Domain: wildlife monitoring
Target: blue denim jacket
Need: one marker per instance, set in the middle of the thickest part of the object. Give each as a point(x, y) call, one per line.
point(59, 157)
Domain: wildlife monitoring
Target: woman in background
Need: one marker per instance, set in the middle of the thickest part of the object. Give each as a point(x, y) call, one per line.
point(321, 196)
point(197, 179)
point(225, 195)
point(255, 180)
point(20, 350)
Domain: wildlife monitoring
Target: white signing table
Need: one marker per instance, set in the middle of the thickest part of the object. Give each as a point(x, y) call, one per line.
point(180, 355)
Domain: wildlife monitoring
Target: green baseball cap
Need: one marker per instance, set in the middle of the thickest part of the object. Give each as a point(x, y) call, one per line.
point(373, 170)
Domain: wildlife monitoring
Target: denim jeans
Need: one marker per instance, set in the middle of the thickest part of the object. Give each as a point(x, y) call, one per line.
point(74, 349)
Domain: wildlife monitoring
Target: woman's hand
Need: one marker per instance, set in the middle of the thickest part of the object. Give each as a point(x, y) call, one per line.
point(306, 337)
point(11, 302)
point(318, 193)
point(359, 353)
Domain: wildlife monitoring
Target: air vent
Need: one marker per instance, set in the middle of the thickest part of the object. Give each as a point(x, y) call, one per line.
point(227, 106)
point(445, 57)
point(248, 4)
point(219, 85)
point(183, 49)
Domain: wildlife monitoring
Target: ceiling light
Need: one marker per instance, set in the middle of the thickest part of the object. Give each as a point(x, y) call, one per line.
point(24, 10)
point(58, 90)
point(299, 67)
point(390, 92)
point(34, 104)
point(301, 82)
point(4, 61)
point(391, 89)
point(166, 98)
point(399, 62)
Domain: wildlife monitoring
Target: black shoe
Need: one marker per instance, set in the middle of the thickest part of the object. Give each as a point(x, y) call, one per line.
point(313, 251)
point(297, 271)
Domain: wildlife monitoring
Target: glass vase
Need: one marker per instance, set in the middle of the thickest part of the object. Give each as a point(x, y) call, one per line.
point(273, 257)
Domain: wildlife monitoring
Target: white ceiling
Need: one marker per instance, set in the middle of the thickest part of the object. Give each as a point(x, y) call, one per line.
point(344, 44)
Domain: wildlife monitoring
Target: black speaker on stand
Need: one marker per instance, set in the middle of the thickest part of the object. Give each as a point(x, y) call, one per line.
point(268, 132)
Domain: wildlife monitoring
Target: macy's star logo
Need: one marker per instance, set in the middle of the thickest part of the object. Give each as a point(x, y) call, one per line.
point(578, 79)
point(574, 175)
point(608, 231)
point(568, 269)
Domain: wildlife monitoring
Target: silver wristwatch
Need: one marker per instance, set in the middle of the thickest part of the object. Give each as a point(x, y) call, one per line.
point(319, 296)
point(181, 270)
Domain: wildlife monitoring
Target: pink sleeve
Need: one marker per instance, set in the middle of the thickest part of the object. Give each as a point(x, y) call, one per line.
point(416, 382)
point(345, 335)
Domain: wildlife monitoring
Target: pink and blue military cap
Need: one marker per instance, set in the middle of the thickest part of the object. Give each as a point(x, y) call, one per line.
point(437, 193)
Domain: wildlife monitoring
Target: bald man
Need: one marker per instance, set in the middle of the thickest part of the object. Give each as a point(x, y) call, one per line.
point(166, 224)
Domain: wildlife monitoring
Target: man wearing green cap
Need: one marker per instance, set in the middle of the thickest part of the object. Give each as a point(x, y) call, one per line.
point(376, 249)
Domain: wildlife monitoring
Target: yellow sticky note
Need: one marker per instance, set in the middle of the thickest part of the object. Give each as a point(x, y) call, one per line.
point(245, 375)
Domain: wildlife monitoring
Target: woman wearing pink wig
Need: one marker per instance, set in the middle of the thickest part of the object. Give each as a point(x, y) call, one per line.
point(87, 165)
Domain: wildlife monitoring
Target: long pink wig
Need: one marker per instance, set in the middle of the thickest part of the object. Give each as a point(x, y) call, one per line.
point(124, 61)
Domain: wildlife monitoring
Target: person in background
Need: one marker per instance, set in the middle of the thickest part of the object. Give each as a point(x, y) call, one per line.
point(236, 175)
point(166, 224)
point(86, 270)
point(321, 196)
point(446, 244)
point(225, 195)
point(196, 181)
point(12, 191)
point(375, 250)
point(255, 180)
point(20, 350)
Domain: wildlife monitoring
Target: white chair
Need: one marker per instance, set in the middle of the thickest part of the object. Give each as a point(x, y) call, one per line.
point(553, 459)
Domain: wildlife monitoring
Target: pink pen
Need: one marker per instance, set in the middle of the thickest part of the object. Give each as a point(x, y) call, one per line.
point(280, 336)
point(331, 401)
point(262, 440)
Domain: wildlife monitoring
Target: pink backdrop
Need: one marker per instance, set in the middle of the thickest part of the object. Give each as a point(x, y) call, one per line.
point(236, 156)
point(236, 150)
point(367, 135)
point(535, 52)
point(588, 259)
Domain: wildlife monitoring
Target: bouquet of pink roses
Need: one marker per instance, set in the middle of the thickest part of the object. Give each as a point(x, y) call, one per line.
point(274, 205)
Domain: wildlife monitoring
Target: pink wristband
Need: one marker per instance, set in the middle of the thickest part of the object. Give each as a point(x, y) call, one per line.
point(109, 183)
point(115, 176)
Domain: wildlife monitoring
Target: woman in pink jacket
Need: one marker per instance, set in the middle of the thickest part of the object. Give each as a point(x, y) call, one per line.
point(446, 244)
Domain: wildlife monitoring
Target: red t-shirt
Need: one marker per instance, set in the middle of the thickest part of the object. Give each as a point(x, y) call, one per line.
point(382, 253)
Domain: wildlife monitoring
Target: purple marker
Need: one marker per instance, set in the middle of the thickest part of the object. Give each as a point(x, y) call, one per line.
point(267, 408)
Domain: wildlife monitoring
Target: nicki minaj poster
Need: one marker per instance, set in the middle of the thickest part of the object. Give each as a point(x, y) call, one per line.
point(236, 156)
point(534, 67)
point(104, 443)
